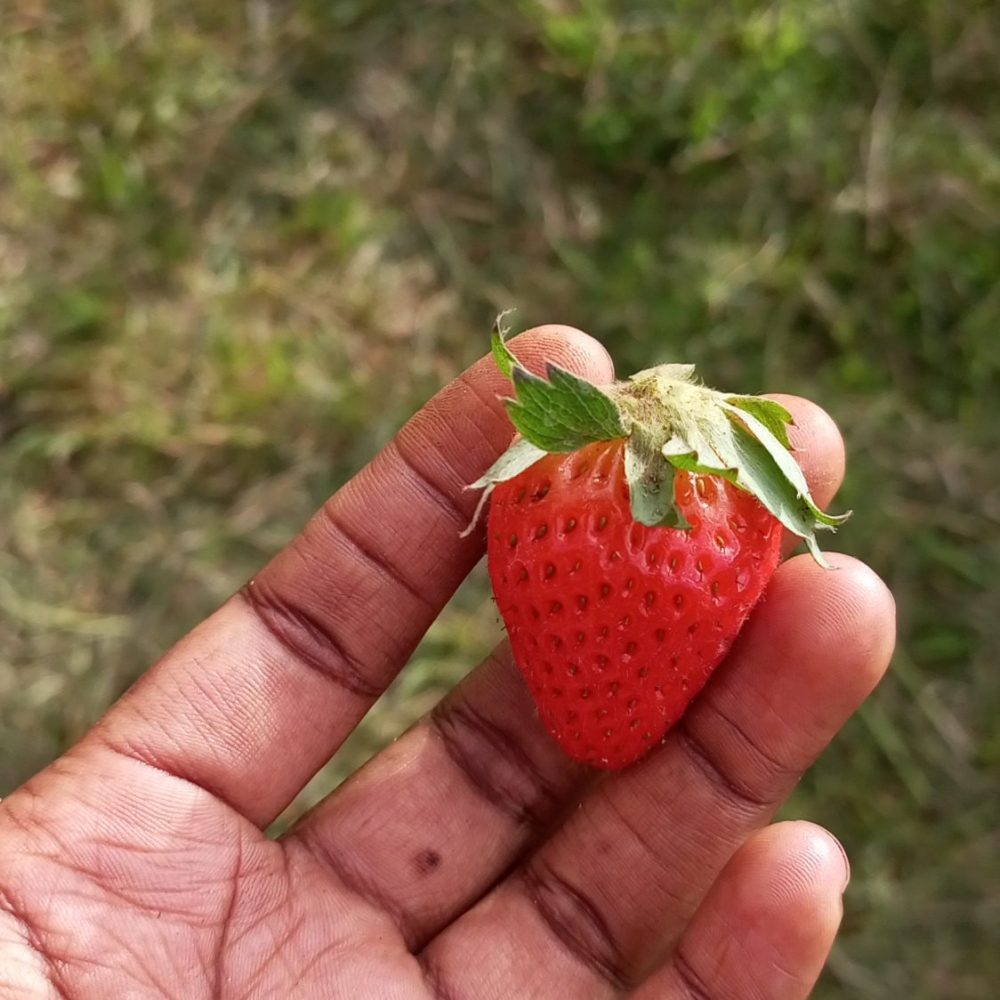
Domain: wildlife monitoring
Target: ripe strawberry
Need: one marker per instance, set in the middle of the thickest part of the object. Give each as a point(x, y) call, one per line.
point(616, 625)
point(631, 531)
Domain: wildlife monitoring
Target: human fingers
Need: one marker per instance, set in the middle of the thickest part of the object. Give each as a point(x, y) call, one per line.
point(766, 927)
point(432, 822)
point(254, 700)
point(617, 883)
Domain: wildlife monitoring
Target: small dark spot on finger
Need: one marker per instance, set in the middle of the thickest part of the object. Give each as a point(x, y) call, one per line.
point(427, 860)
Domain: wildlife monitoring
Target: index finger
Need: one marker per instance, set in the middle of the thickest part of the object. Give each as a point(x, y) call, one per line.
point(253, 701)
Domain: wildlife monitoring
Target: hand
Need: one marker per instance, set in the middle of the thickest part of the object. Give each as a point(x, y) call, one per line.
point(470, 859)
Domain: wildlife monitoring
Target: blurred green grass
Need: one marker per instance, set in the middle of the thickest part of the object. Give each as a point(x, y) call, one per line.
point(238, 246)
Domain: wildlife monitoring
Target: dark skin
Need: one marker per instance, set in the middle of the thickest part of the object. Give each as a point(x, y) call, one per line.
point(470, 859)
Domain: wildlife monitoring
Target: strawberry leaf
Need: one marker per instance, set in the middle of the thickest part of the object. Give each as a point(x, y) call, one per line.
point(730, 442)
point(784, 475)
point(562, 413)
point(689, 461)
point(650, 480)
point(559, 413)
point(521, 455)
point(795, 510)
point(771, 414)
point(704, 458)
point(502, 354)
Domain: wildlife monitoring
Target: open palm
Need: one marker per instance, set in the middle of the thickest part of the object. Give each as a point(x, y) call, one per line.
point(470, 859)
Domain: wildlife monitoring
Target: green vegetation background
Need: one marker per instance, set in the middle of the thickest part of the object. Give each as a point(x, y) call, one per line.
point(240, 243)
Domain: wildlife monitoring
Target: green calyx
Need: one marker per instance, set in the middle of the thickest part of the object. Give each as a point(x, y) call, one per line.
point(668, 421)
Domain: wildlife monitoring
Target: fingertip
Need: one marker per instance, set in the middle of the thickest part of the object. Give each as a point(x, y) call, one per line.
point(567, 347)
point(803, 859)
point(850, 609)
point(767, 925)
point(791, 878)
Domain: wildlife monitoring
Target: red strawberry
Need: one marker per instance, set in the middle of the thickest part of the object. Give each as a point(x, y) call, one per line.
point(615, 625)
point(632, 528)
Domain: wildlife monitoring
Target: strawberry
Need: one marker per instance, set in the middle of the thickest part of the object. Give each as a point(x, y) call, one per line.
point(615, 625)
point(632, 529)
